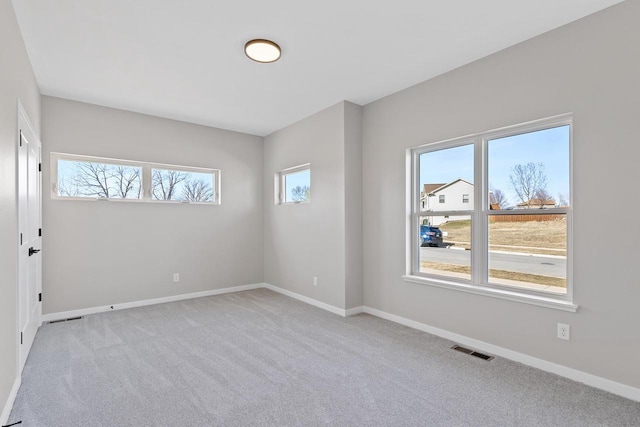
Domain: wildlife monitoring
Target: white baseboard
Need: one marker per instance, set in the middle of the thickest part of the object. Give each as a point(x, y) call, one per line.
point(6, 411)
point(614, 387)
point(355, 310)
point(86, 311)
point(311, 301)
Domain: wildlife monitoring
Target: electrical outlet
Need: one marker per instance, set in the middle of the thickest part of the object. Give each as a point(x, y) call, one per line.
point(315, 280)
point(564, 331)
point(176, 277)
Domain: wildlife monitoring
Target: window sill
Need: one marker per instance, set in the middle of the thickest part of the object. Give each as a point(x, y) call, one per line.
point(540, 301)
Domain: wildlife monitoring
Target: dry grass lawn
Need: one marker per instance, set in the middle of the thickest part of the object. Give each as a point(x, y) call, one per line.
point(499, 274)
point(536, 237)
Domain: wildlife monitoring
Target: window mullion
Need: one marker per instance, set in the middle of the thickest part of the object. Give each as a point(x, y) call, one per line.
point(478, 253)
point(146, 181)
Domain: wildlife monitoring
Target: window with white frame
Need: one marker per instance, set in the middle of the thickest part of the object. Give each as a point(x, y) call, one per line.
point(517, 234)
point(293, 185)
point(90, 178)
point(441, 198)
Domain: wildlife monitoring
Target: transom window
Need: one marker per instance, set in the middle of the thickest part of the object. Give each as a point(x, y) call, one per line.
point(293, 185)
point(512, 228)
point(91, 178)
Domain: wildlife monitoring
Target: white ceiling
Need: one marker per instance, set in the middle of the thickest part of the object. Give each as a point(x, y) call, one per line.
point(184, 59)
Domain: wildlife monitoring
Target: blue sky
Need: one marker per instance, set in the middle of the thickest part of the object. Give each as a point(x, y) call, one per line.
point(549, 147)
point(301, 179)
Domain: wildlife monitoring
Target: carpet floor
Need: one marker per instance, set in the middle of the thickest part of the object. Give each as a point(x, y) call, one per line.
point(258, 358)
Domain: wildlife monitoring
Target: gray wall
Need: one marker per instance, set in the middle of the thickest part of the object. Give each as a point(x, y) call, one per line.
point(16, 82)
point(306, 240)
point(591, 68)
point(101, 253)
point(353, 204)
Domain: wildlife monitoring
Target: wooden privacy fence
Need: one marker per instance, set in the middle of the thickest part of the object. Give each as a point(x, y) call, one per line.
point(525, 218)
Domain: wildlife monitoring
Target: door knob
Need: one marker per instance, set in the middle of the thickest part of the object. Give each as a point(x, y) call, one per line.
point(33, 251)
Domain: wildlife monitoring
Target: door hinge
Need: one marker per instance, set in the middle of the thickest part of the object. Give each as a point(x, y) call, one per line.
point(40, 297)
point(39, 232)
point(20, 238)
point(20, 338)
point(20, 137)
point(39, 167)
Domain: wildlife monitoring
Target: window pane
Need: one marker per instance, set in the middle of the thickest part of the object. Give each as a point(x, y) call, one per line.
point(297, 186)
point(92, 179)
point(530, 170)
point(445, 175)
point(183, 186)
point(445, 249)
point(529, 251)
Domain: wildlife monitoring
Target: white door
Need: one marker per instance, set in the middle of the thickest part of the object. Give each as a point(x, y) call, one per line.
point(29, 238)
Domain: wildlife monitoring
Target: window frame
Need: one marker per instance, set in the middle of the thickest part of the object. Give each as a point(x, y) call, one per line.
point(441, 199)
point(145, 179)
point(479, 282)
point(465, 198)
point(280, 184)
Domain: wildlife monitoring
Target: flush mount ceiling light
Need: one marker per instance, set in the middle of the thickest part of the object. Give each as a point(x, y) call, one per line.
point(261, 50)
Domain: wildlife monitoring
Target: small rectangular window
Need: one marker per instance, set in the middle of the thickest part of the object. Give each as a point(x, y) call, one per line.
point(441, 198)
point(84, 177)
point(89, 178)
point(465, 198)
point(294, 185)
point(183, 185)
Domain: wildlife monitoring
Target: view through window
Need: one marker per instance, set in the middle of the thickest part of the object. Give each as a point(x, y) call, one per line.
point(520, 221)
point(295, 185)
point(83, 177)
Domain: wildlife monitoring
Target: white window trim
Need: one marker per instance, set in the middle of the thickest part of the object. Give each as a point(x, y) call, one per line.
point(145, 179)
point(279, 181)
point(479, 283)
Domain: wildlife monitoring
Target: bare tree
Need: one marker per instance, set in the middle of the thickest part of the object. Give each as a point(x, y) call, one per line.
point(165, 183)
point(198, 191)
point(541, 198)
point(528, 179)
point(127, 181)
point(300, 193)
point(101, 180)
point(497, 197)
point(67, 188)
point(92, 179)
point(562, 200)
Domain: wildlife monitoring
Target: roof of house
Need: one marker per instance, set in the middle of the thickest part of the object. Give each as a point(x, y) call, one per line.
point(429, 188)
point(443, 186)
point(538, 202)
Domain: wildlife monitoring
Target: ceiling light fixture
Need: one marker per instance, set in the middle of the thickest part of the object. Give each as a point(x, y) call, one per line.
point(261, 50)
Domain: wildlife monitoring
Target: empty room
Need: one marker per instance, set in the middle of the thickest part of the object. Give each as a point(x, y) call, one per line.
point(341, 213)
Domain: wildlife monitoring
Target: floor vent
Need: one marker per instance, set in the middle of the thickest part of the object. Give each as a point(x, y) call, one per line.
point(65, 320)
point(472, 352)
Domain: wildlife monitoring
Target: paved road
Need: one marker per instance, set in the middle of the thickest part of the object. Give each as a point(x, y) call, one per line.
point(539, 264)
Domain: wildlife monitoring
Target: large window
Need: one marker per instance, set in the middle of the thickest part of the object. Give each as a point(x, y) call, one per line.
point(90, 178)
point(510, 229)
point(293, 185)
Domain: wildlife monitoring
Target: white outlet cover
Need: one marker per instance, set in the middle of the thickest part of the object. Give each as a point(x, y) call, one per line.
point(564, 331)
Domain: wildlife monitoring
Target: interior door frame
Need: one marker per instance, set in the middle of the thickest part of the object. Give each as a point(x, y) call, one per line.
point(23, 123)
